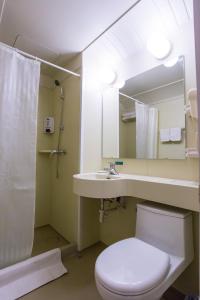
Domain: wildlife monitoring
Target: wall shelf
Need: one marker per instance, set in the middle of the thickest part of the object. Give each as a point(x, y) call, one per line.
point(52, 152)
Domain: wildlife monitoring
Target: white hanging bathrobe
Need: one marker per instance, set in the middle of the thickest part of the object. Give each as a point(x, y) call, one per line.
point(19, 84)
point(146, 131)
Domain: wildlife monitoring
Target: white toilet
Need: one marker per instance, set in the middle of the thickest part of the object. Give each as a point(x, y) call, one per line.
point(144, 267)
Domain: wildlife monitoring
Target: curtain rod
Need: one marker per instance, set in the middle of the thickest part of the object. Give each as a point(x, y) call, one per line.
point(43, 61)
point(129, 97)
point(159, 87)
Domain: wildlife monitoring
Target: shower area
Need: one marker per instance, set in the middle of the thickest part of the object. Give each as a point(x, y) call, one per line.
point(38, 208)
point(57, 161)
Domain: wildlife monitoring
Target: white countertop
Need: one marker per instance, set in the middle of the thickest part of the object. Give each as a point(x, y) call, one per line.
point(175, 192)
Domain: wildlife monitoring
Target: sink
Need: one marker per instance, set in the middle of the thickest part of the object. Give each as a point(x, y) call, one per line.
point(97, 185)
point(175, 192)
point(96, 176)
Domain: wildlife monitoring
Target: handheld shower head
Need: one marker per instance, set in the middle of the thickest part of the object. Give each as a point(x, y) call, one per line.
point(57, 83)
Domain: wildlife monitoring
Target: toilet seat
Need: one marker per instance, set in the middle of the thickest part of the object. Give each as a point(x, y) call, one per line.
point(131, 267)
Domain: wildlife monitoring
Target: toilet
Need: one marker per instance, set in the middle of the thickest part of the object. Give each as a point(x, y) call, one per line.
point(145, 266)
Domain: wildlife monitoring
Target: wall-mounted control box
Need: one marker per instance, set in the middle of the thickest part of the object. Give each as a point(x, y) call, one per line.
point(49, 125)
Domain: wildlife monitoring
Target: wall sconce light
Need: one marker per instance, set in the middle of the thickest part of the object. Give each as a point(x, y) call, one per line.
point(119, 83)
point(109, 77)
point(171, 62)
point(159, 46)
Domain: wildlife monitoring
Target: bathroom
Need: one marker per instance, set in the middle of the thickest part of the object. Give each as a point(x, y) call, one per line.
point(87, 117)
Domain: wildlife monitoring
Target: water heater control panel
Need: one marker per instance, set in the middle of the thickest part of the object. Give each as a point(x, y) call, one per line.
point(49, 125)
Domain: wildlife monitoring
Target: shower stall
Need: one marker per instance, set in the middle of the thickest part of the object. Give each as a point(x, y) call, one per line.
point(57, 161)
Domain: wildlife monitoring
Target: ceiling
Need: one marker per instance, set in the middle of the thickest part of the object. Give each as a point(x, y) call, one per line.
point(129, 36)
point(56, 30)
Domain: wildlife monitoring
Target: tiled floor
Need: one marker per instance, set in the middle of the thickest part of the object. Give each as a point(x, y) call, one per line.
point(45, 239)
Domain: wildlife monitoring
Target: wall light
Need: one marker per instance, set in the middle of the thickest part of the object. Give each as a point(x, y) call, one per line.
point(107, 76)
point(171, 62)
point(159, 46)
point(110, 78)
point(119, 83)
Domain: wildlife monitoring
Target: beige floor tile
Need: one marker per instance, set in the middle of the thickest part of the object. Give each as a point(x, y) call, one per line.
point(45, 239)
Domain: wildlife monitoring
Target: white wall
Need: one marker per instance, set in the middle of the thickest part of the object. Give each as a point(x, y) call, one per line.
point(63, 216)
point(91, 115)
point(43, 163)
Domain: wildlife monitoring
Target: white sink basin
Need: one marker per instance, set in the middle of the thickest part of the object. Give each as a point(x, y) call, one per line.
point(97, 185)
point(179, 193)
point(96, 176)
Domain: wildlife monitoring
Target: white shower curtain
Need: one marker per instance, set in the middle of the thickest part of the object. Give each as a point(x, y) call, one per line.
point(146, 131)
point(19, 84)
point(152, 138)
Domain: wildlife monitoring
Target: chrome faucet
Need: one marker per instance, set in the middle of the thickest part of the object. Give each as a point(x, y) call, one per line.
point(111, 170)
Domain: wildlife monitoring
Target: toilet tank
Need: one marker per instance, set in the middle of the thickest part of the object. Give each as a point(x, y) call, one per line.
point(165, 227)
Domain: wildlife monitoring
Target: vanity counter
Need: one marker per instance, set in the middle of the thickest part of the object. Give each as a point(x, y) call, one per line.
point(175, 192)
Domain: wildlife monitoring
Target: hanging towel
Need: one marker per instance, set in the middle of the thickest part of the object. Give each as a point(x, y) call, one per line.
point(175, 134)
point(192, 99)
point(165, 135)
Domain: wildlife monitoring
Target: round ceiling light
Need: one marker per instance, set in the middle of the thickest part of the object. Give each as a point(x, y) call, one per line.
point(159, 46)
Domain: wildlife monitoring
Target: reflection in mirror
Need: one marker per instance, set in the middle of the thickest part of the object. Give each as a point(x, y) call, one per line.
point(151, 114)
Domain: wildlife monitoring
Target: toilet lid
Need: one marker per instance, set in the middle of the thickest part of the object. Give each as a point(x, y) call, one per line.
point(131, 267)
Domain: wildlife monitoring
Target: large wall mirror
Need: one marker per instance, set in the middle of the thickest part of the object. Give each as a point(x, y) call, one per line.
point(145, 119)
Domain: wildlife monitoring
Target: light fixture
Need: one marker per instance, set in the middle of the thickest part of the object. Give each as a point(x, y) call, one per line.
point(119, 83)
point(171, 62)
point(159, 46)
point(107, 76)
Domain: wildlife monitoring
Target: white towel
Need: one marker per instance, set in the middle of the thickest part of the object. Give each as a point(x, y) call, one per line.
point(175, 134)
point(192, 99)
point(128, 115)
point(165, 135)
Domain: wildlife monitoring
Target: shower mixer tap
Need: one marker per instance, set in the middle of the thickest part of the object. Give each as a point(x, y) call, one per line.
point(53, 152)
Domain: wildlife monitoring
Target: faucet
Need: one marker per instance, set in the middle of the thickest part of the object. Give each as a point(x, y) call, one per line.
point(111, 170)
point(53, 152)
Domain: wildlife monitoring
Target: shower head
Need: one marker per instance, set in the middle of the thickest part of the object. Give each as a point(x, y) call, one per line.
point(57, 83)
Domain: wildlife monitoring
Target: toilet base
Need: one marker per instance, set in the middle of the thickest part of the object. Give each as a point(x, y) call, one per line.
point(108, 295)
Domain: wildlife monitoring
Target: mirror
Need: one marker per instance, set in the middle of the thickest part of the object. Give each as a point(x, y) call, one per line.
point(146, 119)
